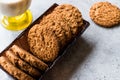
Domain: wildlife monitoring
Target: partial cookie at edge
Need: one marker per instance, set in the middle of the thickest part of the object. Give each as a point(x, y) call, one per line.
point(12, 70)
point(22, 65)
point(72, 16)
point(29, 58)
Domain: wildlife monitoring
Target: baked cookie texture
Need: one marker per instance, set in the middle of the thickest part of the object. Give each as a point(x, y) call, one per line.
point(71, 16)
point(22, 64)
point(29, 58)
point(67, 16)
point(54, 31)
point(52, 22)
point(43, 43)
point(105, 14)
point(12, 70)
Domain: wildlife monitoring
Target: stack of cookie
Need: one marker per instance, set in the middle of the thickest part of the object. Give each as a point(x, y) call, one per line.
point(45, 40)
point(54, 31)
point(21, 64)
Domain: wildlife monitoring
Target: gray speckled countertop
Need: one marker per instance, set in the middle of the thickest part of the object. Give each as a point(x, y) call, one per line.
point(94, 56)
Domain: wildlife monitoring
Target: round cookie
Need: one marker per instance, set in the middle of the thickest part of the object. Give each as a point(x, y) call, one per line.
point(105, 14)
point(43, 43)
point(71, 15)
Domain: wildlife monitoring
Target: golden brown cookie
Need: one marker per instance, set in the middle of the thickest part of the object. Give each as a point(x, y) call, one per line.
point(50, 22)
point(12, 70)
point(71, 16)
point(61, 22)
point(29, 58)
point(22, 64)
point(43, 43)
point(105, 14)
point(67, 17)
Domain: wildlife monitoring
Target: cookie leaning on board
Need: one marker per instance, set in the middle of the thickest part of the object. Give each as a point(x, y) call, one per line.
point(43, 43)
point(54, 31)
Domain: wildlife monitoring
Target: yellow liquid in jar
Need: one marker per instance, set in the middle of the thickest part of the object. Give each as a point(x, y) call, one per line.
point(17, 22)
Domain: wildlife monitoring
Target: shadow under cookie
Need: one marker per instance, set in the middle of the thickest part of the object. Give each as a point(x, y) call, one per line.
point(71, 61)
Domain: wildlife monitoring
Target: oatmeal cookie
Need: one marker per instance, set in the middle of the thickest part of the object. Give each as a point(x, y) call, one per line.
point(71, 15)
point(43, 43)
point(29, 58)
point(105, 14)
point(22, 65)
point(51, 22)
point(12, 70)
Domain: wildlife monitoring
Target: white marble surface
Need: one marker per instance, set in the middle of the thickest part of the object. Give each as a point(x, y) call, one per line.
point(95, 56)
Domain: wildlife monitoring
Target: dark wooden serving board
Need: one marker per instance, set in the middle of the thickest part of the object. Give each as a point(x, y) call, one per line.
point(21, 40)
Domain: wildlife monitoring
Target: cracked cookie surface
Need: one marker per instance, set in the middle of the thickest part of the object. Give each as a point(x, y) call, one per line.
point(105, 14)
point(16, 61)
point(12, 70)
point(29, 58)
point(43, 43)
